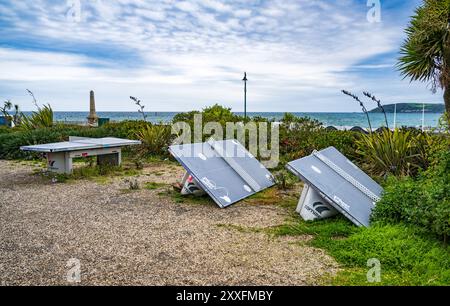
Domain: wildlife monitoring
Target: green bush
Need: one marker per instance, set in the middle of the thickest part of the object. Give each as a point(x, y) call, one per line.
point(155, 140)
point(423, 201)
point(128, 129)
point(43, 118)
point(10, 143)
point(5, 129)
point(157, 137)
point(215, 113)
point(398, 153)
point(299, 137)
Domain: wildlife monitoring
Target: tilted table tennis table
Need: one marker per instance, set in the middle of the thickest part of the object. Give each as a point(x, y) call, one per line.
point(59, 155)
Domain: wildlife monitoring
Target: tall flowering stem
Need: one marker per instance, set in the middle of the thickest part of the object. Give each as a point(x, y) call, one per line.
point(371, 96)
point(345, 92)
point(141, 107)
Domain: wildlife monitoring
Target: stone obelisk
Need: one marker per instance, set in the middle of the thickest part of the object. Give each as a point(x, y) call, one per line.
point(92, 118)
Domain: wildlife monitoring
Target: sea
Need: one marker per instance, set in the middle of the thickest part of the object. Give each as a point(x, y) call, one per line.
point(339, 120)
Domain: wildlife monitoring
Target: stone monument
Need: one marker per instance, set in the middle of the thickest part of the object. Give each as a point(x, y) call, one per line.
point(92, 118)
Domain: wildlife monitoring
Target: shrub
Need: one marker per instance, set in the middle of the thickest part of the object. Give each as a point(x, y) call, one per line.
point(284, 180)
point(155, 139)
point(215, 113)
point(126, 129)
point(10, 143)
point(43, 118)
point(423, 201)
point(5, 130)
point(299, 137)
point(398, 153)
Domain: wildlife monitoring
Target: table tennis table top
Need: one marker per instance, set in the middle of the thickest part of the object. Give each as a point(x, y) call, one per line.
point(349, 190)
point(223, 169)
point(81, 143)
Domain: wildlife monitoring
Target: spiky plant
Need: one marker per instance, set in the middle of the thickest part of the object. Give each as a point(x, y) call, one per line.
point(155, 139)
point(38, 119)
point(389, 153)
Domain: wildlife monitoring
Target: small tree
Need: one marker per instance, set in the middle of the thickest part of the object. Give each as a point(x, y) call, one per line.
point(7, 105)
point(426, 51)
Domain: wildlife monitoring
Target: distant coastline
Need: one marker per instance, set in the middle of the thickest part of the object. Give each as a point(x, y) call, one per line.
point(412, 108)
point(412, 119)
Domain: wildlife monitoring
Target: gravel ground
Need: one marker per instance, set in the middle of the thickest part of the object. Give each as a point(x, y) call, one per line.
point(141, 237)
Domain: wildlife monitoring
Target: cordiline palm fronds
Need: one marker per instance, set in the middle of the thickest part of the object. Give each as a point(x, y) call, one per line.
point(425, 55)
point(7, 105)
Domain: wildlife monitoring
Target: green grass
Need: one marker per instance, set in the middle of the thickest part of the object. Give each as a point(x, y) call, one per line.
point(407, 255)
point(177, 197)
point(154, 185)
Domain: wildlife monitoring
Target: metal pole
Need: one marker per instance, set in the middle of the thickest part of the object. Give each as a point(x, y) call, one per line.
point(395, 116)
point(245, 95)
point(423, 117)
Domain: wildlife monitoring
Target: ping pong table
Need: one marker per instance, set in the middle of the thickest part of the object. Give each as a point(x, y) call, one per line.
point(60, 155)
point(224, 170)
point(330, 178)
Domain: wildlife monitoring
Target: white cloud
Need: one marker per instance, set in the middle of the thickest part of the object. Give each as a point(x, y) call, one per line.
point(298, 53)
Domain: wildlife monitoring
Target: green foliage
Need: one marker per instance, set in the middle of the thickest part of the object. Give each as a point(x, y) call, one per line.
point(43, 118)
point(398, 153)
point(424, 52)
point(128, 129)
point(425, 55)
point(422, 201)
point(10, 143)
point(215, 113)
point(284, 180)
point(154, 185)
point(407, 256)
point(299, 137)
point(5, 129)
point(155, 139)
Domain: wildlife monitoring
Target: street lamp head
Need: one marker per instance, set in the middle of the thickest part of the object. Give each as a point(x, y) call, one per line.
point(245, 77)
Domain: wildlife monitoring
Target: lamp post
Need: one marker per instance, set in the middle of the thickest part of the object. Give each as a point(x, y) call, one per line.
point(245, 94)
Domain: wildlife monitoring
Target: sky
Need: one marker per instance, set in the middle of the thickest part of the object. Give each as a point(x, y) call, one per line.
point(185, 55)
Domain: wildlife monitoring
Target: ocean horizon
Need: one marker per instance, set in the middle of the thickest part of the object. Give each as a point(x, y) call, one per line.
point(327, 118)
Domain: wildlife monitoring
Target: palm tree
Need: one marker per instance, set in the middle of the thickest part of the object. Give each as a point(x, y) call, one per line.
point(7, 105)
point(425, 55)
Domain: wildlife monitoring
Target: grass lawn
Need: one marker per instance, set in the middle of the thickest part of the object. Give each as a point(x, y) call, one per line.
point(407, 255)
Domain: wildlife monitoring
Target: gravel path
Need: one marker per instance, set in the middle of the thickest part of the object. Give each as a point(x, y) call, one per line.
point(140, 237)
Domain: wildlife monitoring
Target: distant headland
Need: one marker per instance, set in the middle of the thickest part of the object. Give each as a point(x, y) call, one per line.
point(411, 108)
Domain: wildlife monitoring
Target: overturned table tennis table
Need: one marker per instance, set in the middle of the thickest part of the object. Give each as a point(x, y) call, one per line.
point(59, 155)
